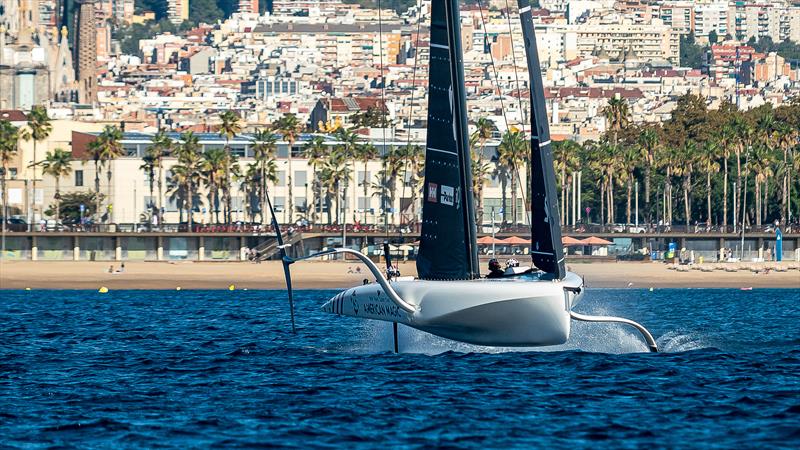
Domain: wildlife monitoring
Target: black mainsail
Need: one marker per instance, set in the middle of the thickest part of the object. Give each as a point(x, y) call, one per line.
point(547, 251)
point(447, 243)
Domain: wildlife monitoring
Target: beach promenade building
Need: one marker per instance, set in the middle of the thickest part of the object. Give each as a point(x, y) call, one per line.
point(129, 195)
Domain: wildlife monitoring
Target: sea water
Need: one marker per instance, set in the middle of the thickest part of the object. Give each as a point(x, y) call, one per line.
point(220, 368)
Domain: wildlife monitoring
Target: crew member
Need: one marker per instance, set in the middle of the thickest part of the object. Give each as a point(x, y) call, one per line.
point(495, 271)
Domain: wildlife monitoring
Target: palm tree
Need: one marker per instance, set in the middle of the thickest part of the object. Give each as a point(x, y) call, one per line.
point(604, 163)
point(786, 137)
point(160, 147)
point(617, 114)
point(264, 146)
point(348, 147)
point(726, 137)
point(39, 128)
point(57, 165)
point(149, 168)
point(393, 163)
point(413, 163)
point(510, 153)
point(315, 151)
point(230, 127)
point(103, 150)
point(761, 162)
point(9, 140)
point(648, 142)
point(483, 132)
point(744, 135)
point(289, 127)
point(186, 174)
point(707, 162)
point(566, 164)
point(214, 169)
point(685, 169)
point(331, 176)
point(365, 152)
point(111, 149)
point(628, 159)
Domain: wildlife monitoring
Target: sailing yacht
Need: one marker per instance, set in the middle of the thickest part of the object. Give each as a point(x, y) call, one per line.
point(450, 298)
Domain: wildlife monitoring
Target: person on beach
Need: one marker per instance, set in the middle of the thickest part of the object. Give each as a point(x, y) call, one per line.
point(111, 269)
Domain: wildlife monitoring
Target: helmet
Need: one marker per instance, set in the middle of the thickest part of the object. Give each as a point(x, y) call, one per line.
point(494, 265)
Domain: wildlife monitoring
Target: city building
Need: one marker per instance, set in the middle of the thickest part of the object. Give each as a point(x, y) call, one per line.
point(177, 11)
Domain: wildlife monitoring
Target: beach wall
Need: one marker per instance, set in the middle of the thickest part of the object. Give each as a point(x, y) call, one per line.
point(165, 246)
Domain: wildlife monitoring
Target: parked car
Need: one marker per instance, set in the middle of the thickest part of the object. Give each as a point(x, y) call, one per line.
point(15, 224)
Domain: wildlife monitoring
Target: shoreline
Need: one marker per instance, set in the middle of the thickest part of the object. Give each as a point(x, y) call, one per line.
point(343, 274)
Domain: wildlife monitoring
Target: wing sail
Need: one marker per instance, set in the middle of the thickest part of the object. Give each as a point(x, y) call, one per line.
point(547, 251)
point(447, 243)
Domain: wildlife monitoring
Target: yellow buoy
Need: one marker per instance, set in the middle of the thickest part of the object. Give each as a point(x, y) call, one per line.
point(103, 290)
point(27, 289)
point(651, 289)
point(231, 287)
point(178, 288)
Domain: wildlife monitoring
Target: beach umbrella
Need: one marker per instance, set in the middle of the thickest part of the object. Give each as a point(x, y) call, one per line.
point(514, 240)
point(489, 240)
point(568, 241)
point(592, 240)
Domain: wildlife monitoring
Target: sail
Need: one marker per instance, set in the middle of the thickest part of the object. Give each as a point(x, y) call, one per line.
point(447, 242)
point(546, 249)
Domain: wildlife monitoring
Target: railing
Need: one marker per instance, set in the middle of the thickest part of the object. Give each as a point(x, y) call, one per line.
point(393, 230)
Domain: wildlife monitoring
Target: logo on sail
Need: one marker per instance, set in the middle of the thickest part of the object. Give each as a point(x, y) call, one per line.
point(432, 188)
point(448, 195)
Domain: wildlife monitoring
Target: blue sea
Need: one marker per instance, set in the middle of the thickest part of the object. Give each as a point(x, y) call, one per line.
point(144, 369)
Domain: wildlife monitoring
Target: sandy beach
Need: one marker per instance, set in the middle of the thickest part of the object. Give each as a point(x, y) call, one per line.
point(323, 275)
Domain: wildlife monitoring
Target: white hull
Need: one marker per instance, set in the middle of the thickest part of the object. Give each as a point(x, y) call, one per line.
point(519, 311)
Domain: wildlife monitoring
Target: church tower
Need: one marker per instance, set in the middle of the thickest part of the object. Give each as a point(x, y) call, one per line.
point(84, 51)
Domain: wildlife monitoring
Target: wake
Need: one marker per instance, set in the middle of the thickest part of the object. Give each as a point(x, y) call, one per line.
point(611, 338)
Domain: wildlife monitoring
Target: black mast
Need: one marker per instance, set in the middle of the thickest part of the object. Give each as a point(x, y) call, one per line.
point(447, 243)
point(547, 251)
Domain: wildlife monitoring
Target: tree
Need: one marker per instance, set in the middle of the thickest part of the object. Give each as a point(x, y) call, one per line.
point(69, 206)
point(707, 162)
point(648, 143)
point(691, 54)
point(103, 150)
point(205, 11)
point(365, 152)
point(231, 126)
point(264, 146)
point(484, 128)
point(510, 153)
point(348, 147)
point(160, 146)
point(39, 129)
point(567, 162)
point(618, 116)
point(315, 151)
point(289, 127)
point(9, 141)
point(186, 174)
point(111, 149)
point(214, 168)
point(413, 167)
point(57, 164)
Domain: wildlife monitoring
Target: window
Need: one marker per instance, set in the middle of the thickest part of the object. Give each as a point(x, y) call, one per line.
point(364, 203)
point(361, 176)
point(300, 204)
point(12, 173)
point(280, 204)
point(78, 178)
point(300, 178)
point(281, 178)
